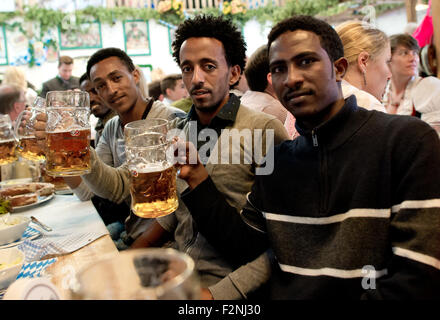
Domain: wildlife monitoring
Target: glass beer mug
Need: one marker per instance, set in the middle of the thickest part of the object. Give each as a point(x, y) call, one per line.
point(7, 140)
point(139, 274)
point(24, 130)
point(152, 174)
point(68, 133)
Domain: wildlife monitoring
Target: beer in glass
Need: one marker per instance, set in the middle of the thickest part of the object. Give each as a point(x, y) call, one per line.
point(152, 174)
point(7, 140)
point(68, 133)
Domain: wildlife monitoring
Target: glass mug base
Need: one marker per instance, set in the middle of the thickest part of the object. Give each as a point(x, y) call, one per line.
point(155, 209)
point(67, 172)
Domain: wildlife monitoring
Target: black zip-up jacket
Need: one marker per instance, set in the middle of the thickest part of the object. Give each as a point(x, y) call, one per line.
point(351, 211)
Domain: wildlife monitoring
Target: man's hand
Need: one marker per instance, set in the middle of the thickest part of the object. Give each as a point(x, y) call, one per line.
point(188, 163)
point(205, 294)
point(40, 130)
point(22, 121)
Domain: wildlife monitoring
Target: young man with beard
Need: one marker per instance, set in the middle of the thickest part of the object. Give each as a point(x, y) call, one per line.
point(352, 208)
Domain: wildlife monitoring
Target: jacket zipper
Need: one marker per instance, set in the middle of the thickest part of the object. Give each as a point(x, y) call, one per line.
point(323, 202)
point(314, 138)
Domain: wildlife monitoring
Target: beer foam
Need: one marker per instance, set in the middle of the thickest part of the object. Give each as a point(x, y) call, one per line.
point(151, 167)
point(62, 130)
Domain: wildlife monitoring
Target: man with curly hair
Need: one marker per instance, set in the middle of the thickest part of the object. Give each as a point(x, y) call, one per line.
point(210, 51)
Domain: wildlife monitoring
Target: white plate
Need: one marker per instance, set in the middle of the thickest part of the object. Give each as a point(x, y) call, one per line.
point(41, 199)
point(30, 233)
point(64, 191)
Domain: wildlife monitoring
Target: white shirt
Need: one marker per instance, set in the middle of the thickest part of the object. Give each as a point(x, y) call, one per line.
point(424, 95)
point(264, 102)
point(363, 98)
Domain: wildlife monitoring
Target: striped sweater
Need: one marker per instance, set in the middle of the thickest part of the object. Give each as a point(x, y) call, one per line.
point(351, 211)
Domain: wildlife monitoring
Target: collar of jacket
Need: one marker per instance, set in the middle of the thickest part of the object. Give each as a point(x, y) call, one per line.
point(337, 129)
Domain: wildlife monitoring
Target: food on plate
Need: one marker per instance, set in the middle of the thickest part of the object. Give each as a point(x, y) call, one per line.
point(11, 261)
point(26, 193)
point(17, 189)
point(23, 199)
point(5, 205)
point(4, 265)
point(7, 220)
point(12, 228)
point(44, 189)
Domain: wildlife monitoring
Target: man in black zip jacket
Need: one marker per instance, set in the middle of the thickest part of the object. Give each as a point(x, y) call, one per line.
point(352, 208)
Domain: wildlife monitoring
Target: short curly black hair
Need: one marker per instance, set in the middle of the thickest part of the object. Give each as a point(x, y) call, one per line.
point(84, 77)
point(219, 28)
point(107, 53)
point(330, 40)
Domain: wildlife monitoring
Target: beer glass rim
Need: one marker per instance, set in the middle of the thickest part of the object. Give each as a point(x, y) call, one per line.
point(150, 252)
point(141, 124)
point(39, 103)
point(65, 93)
point(62, 95)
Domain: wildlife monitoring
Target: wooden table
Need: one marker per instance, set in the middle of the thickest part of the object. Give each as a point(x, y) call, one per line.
point(67, 213)
point(64, 269)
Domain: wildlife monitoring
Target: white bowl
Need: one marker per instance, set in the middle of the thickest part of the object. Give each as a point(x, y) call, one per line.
point(14, 259)
point(14, 232)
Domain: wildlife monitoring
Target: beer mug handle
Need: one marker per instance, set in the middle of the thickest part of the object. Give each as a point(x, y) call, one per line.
point(170, 148)
point(18, 125)
point(38, 105)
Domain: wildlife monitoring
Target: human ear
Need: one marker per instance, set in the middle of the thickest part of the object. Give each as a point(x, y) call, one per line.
point(136, 75)
point(235, 74)
point(340, 67)
point(269, 78)
point(362, 60)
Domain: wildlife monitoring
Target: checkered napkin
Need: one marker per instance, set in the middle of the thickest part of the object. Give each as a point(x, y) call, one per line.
point(56, 244)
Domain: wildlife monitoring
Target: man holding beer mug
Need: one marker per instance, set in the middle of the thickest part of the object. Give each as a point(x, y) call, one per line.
point(117, 83)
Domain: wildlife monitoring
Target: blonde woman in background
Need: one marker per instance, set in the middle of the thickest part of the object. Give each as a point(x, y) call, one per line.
point(368, 52)
point(16, 76)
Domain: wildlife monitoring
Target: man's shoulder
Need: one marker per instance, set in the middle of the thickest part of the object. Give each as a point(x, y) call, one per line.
point(396, 121)
point(52, 81)
point(254, 119)
point(400, 132)
point(161, 110)
point(74, 80)
point(111, 125)
point(251, 115)
point(248, 118)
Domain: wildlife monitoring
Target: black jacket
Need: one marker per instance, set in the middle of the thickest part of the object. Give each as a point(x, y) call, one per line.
point(351, 211)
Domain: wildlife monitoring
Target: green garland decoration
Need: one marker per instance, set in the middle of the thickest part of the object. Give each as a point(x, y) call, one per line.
point(48, 18)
